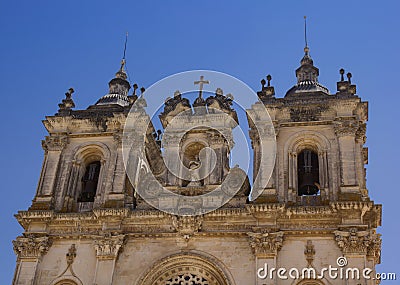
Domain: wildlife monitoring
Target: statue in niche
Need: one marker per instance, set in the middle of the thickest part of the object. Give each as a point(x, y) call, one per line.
point(194, 167)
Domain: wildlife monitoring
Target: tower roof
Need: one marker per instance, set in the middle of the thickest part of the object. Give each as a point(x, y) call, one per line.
point(118, 89)
point(307, 74)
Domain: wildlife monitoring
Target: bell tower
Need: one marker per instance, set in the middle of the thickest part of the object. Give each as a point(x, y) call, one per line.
point(319, 172)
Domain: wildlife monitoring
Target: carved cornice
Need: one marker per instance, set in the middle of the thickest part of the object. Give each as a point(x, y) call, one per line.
point(31, 246)
point(108, 247)
point(265, 244)
point(346, 126)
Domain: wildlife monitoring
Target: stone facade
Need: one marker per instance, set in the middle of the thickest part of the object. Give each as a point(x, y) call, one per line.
point(88, 225)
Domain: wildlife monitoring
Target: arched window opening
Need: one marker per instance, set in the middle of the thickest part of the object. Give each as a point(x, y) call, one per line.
point(308, 173)
point(89, 182)
point(191, 160)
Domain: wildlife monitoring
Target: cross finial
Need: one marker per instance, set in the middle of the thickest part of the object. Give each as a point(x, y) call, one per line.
point(201, 82)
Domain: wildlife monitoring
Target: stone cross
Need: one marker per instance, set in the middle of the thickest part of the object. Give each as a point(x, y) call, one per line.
point(201, 82)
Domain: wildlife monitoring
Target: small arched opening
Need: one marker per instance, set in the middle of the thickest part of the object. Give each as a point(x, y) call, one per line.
point(89, 182)
point(308, 173)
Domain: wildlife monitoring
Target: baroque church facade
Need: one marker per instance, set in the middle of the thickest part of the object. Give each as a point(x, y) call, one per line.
point(89, 225)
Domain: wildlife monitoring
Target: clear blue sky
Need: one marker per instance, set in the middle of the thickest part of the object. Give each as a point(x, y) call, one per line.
point(49, 46)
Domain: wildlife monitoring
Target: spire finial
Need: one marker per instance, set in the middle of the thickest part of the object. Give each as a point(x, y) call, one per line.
point(306, 48)
point(126, 41)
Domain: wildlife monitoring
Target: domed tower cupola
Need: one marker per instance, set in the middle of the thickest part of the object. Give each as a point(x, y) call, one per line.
point(307, 71)
point(307, 77)
point(118, 89)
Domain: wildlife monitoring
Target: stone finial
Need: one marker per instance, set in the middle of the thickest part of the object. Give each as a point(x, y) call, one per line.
point(341, 71)
point(263, 82)
point(349, 75)
point(265, 244)
point(135, 87)
point(142, 90)
point(177, 93)
point(269, 78)
point(268, 91)
point(67, 104)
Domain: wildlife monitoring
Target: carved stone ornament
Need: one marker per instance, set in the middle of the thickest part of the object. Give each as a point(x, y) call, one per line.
point(187, 226)
point(54, 142)
point(309, 252)
point(354, 241)
point(265, 244)
point(108, 247)
point(346, 126)
point(360, 133)
point(374, 249)
point(31, 246)
point(71, 254)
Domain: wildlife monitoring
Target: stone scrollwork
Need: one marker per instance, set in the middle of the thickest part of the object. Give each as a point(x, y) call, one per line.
point(31, 246)
point(108, 247)
point(265, 244)
point(354, 241)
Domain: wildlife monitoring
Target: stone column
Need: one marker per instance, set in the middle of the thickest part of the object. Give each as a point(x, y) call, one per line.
point(107, 250)
point(29, 251)
point(265, 247)
point(361, 248)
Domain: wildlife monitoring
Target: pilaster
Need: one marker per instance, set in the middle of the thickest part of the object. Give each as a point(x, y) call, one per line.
point(107, 250)
point(29, 251)
point(265, 246)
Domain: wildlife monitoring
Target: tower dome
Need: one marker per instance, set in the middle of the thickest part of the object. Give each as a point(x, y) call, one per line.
point(118, 89)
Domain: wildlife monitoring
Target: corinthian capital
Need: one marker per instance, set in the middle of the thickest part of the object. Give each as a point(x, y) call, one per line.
point(353, 241)
point(108, 247)
point(265, 244)
point(56, 142)
point(31, 246)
